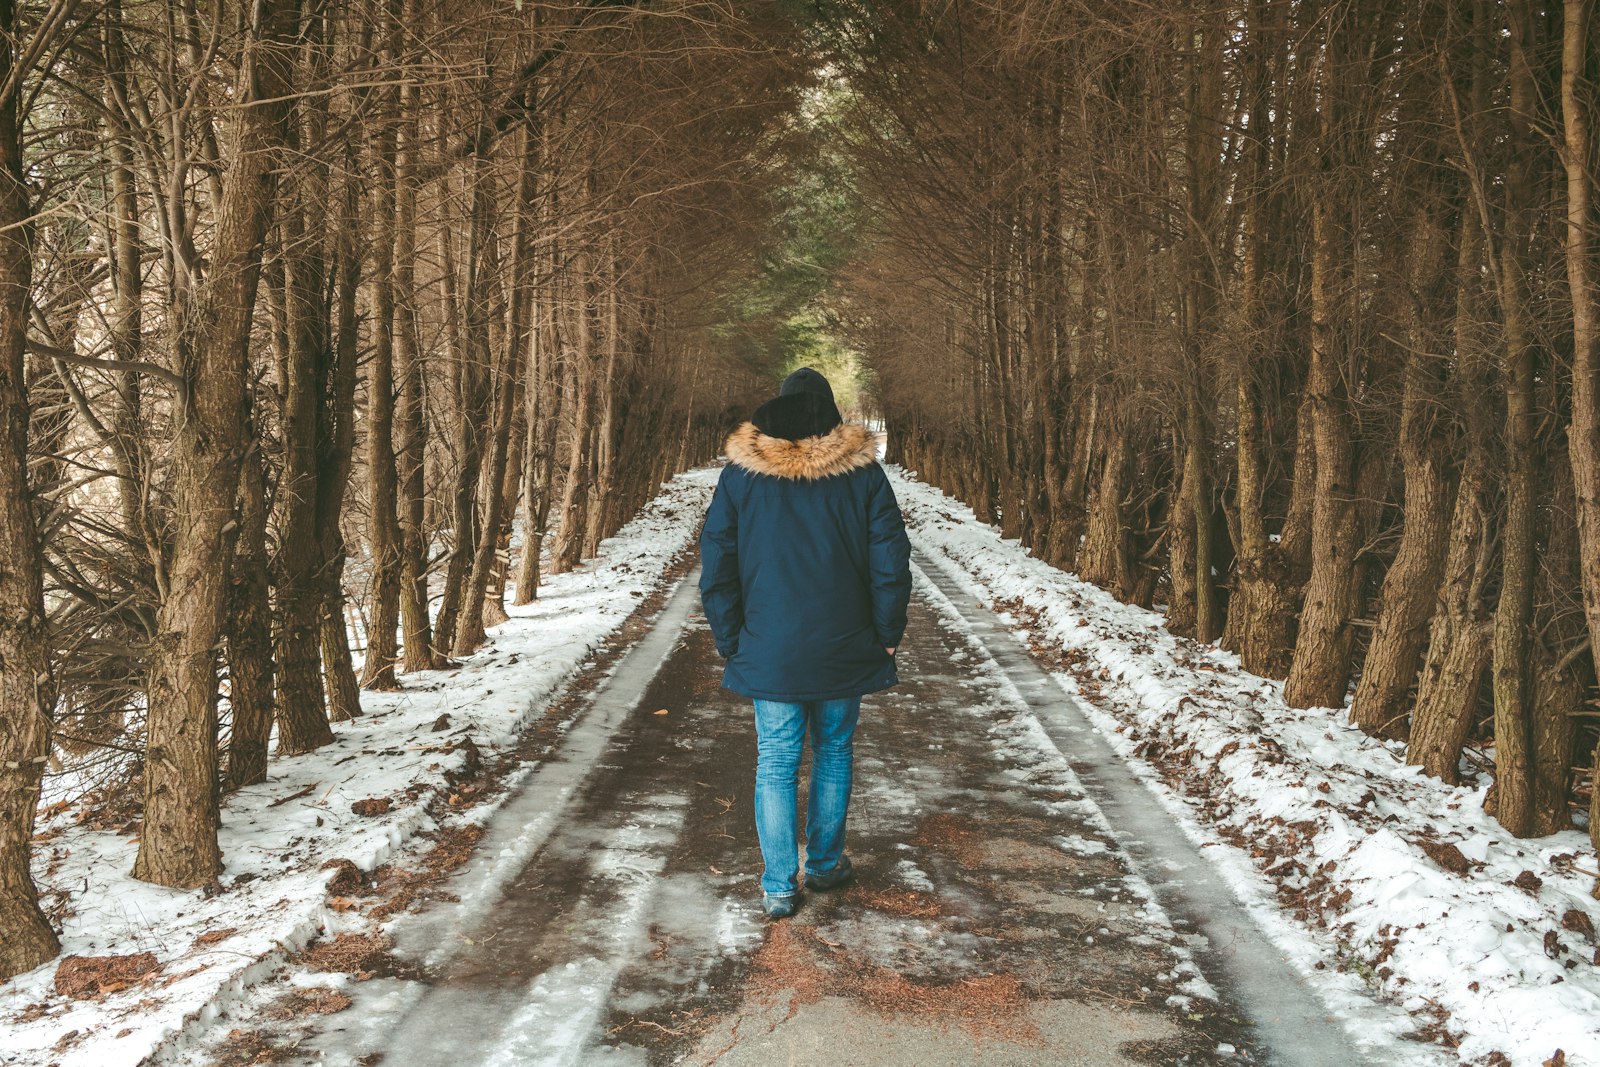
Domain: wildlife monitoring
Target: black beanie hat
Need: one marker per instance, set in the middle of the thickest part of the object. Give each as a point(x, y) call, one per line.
point(804, 407)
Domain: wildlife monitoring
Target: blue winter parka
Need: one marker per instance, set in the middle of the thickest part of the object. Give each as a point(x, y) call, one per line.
point(805, 566)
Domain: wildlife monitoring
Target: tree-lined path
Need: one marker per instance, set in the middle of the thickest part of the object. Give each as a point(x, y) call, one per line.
point(999, 917)
point(340, 341)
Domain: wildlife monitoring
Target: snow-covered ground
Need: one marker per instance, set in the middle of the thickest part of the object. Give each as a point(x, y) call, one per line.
point(277, 837)
point(1301, 810)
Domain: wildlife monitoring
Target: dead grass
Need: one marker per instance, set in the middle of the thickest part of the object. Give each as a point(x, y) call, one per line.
point(245, 1048)
point(212, 937)
point(361, 955)
point(788, 963)
point(92, 977)
point(792, 963)
point(953, 836)
point(116, 806)
point(452, 848)
point(990, 1006)
point(314, 1000)
point(908, 902)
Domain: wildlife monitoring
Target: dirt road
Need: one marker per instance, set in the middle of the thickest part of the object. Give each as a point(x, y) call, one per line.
point(1015, 905)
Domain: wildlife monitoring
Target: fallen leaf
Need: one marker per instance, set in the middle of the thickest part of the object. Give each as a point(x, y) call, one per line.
point(663, 711)
point(1578, 923)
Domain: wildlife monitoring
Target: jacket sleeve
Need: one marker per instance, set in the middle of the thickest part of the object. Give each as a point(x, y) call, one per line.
point(890, 562)
point(720, 594)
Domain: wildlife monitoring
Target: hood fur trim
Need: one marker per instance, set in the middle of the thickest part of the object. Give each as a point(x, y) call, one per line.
point(843, 448)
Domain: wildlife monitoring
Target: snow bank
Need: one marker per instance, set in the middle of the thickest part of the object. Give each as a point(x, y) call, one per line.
point(1307, 810)
point(277, 836)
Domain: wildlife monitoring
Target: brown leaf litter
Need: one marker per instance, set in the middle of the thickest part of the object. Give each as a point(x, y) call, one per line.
point(212, 937)
point(911, 903)
point(795, 963)
point(950, 835)
point(360, 955)
point(92, 977)
point(452, 848)
point(313, 1000)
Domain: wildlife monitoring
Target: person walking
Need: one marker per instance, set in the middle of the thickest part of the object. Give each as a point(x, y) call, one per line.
point(805, 578)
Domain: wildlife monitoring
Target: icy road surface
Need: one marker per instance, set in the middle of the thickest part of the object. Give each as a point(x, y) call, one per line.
point(1014, 905)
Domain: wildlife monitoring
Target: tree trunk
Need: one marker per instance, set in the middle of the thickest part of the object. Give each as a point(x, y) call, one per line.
point(1583, 437)
point(1262, 611)
point(1411, 586)
point(125, 328)
point(302, 713)
point(1319, 673)
point(27, 684)
point(1180, 548)
point(569, 538)
point(178, 845)
point(1512, 799)
point(1451, 679)
point(470, 628)
point(1262, 608)
point(470, 367)
point(383, 527)
point(306, 250)
point(250, 665)
point(418, 644)
point(1197, 488)
point(1104, 559)
point(1450, 683)
point(341, 689)
point(1561, 669)
point(543, 400)
point(335, 457)
point(1206, 231)
point(604, 458)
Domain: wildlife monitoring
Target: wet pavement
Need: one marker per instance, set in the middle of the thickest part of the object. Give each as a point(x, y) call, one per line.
point(612, 915)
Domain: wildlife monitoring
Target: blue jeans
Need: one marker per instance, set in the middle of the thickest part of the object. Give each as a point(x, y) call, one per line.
point(780, 734)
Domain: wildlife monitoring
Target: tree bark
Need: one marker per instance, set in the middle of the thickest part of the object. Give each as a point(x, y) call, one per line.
point(1104, 558)
point(470, 629)
point(543, 399)
point(125, 328)
point(336, 455)
point(178, 845)
point(1512, 798)
point(569, 538)
point(383, 527)
point(471, 366)
point(1262, 609)
point(1561, 670)
point(1450, 683)
point(603, 490)
point(418, 649)
point(1181, 547)
point(27, 682)
point(1581, 164)
point(250, 663)
point(302, 713)
point(1319, 673)
point(1411, 586)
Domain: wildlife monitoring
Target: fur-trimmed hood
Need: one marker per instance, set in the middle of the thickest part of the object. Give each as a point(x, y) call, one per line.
point(844, 448)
